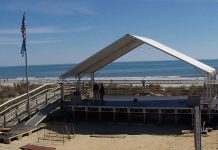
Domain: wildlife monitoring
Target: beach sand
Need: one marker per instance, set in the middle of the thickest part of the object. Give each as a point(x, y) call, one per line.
point(137, 137)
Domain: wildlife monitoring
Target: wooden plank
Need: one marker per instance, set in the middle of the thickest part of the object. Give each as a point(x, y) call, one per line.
point(18, 132)
point(36, 147)
point(109, 135)
point(5, 129)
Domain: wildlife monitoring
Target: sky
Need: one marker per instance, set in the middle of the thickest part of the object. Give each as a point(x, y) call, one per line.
point(69, 31)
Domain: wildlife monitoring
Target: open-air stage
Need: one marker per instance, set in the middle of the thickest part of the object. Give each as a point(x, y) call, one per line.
point(144, 107)
point(140, 102)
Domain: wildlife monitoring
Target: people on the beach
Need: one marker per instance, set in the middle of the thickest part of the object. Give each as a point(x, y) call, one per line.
point(143, 83)
point(101, 92)
point(96, 91)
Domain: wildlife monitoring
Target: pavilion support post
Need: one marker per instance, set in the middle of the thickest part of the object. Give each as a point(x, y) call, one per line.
point(209, 95)
point(78, 82)
point(92, 82)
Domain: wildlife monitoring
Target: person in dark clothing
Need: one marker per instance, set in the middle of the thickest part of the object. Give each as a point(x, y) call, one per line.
point(101, 92)
point(96, 91)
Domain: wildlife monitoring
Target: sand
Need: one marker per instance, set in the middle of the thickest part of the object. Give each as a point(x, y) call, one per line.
point(137, 137)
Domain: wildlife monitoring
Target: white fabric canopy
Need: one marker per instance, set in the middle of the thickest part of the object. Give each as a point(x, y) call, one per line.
point(123, 46)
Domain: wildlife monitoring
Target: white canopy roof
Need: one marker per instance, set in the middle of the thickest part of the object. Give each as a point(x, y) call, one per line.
point(123, 46)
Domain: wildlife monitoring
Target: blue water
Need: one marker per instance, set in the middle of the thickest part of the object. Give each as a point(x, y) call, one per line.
point(116, 69)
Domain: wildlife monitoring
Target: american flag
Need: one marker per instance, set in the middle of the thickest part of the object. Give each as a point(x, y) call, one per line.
point(23, 31)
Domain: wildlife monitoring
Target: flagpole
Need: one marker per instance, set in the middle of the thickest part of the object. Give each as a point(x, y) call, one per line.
point(24, 52)
point(27, 86)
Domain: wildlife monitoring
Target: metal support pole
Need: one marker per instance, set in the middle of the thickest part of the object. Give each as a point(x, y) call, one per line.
point(27, 86)
point(79, 82)
point(92, 82)
point(209, 93)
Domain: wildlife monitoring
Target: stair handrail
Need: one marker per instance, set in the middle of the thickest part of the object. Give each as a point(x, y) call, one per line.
point(13, 102)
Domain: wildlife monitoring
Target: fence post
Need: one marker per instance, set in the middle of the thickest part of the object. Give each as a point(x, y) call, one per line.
point(194, 102)
point(197, 128)
point(62, 95)
point(17, 116)
point(46, 97)
point(4, 120)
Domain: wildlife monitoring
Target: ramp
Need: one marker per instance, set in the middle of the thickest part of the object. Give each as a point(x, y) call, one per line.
point(18, 131)
point(42, 114)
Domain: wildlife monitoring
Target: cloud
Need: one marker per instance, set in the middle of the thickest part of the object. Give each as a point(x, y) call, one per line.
point(182, 1)
point(53, 7)
point(42, 30)
point(11, 41)
point(44, 42)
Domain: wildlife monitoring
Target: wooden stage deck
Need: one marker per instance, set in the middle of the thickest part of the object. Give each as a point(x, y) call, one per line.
point(142, 102)
point(158, 106)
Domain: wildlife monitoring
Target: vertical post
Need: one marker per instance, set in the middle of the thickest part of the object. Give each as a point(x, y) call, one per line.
point(144, 114)
point(128, 111)
point(5, 120)
point(207, 85)
point(194, 102)
point(86, 111)
point(73, 109)
point(197, 128)
point(99, 109)
point(78, 82)
point(62, 95)
point(16, 113)
point(114, 113)
point(24, 52)
point(46, 97)
point(92, 82)
point(27, 86)
point(209, 96)
point(159, 116)
point(176, 116)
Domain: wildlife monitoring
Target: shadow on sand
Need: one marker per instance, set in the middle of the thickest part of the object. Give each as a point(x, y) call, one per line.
point(88, 128)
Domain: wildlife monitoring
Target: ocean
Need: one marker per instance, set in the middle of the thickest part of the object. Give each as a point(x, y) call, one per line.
point(170, 68)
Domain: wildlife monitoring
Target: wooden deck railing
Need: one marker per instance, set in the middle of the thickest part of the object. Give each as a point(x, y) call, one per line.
point(15, 110)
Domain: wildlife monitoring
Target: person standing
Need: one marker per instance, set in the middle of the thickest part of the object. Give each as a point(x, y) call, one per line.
point(101, 92)
point(96, 91)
